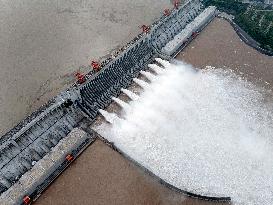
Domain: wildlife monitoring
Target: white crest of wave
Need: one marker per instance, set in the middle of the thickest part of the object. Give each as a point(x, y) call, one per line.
point(208, 132)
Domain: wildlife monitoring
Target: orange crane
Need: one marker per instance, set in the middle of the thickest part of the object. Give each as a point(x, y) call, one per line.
point(27, 200)
point(167, 12)
point(80, 77)
point(96, 65)
point(145, 29)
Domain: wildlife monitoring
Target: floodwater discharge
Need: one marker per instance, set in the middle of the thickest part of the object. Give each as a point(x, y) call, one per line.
point(148, 75)
point(141, 83)
point(121, 103)
point(130, 94)
point(205, 131)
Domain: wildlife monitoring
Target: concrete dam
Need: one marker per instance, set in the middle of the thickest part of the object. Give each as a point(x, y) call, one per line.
point(39, 148)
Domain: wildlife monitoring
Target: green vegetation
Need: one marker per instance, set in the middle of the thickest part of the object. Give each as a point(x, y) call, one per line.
point(254, 19)
point(229, 6)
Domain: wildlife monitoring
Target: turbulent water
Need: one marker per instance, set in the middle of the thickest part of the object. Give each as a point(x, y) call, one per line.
point(208, 132)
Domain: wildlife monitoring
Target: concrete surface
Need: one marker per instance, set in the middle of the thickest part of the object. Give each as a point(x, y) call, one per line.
point(43, 168)
point(43, 42)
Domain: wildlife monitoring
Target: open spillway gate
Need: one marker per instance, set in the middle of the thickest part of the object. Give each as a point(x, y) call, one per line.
point(51, 137)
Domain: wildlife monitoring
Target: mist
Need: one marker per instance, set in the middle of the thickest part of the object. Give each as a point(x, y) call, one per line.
point(204, 131)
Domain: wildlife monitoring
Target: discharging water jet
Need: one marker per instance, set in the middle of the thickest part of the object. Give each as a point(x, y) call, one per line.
point(157, 69)
point(148, 75)
point(165, 63)
point(109, 117)
point(121, 103)
point(141, 83)
point(206, 132)
point(130, 94)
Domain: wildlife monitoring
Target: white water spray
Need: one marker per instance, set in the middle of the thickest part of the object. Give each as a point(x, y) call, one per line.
point(165, 63)
point(148, 75)
point(109, 117)
point(156, 68)
point(208, 132)
point(141, 83)
point(121, 103)
point(130, 94)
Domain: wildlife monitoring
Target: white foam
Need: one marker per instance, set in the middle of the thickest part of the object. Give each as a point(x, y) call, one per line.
point(208, 132)
point(109, 117)
point(165, 63)
point(156, 68)
point(148, 75)
point(130, 94)
point(141, 83)
point(121, 103)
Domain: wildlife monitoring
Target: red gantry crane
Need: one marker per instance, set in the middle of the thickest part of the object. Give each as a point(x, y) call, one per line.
point(95, 65)
point(145, 29)
point(167, 12)
point(80, 77)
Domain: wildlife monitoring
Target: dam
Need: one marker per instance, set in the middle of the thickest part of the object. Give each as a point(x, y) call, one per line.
point(38, 149)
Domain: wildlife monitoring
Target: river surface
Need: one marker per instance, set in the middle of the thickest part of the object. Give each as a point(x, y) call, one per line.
point(42, 43)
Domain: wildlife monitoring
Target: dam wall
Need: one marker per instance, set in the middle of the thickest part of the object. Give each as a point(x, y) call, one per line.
point(48, 168)
point(97, 93)
point(19, 153)
point(31, 140)
point(191, 29)
point(168, 27)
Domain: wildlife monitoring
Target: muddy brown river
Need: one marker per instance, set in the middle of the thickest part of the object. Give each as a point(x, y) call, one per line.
point(42, 43)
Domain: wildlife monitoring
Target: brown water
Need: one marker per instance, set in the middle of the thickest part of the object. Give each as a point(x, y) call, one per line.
point(220, 46)
point(102, 176)
point(43, 42)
